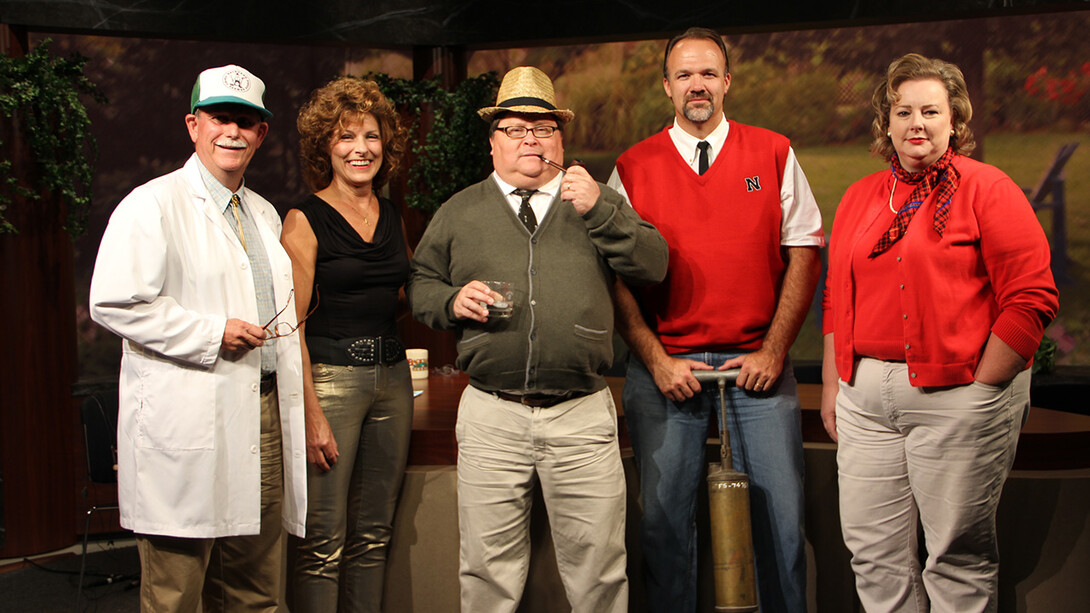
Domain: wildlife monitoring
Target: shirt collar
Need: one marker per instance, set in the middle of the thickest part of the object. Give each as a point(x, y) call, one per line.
point(686, 143)
point(220, 194)
point(551, 188)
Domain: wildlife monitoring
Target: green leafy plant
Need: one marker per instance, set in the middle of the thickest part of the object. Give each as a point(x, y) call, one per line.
point(41, 93)
point(1044, 360)
point(452, 153)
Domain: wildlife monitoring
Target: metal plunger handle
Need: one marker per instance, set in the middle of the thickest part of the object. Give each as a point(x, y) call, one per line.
point(721, 377)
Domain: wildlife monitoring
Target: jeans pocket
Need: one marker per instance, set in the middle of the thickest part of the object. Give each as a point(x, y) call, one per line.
point(324, 373)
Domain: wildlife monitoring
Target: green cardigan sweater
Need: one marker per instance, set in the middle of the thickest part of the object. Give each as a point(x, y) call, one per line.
point(559, 338)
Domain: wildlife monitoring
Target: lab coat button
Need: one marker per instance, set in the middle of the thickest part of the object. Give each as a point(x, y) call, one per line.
point(255, 387)
point(253, 449)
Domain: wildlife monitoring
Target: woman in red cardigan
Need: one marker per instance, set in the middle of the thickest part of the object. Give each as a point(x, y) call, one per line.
point(938, 293)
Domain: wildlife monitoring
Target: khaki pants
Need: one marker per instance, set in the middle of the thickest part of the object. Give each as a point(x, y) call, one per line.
point(238, 573)
point(934, 456)
point(571, 449)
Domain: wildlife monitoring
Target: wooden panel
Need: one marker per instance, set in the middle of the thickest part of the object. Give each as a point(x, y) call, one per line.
point(1050, 440)
point(37, 365)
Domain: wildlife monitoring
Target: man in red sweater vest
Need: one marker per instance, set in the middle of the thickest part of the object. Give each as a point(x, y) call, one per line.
point(744, 234)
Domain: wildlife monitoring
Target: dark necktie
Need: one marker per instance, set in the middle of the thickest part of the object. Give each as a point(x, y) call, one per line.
point(703, 147)
point(526, 214)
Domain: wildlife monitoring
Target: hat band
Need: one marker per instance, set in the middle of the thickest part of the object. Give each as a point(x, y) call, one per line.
point(526, 101)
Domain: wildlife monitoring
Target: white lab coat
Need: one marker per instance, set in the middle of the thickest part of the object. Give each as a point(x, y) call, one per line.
point(170, 273)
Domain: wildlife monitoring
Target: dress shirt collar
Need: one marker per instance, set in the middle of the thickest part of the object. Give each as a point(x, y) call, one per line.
point(686, 143)
point(550, 189)
point(220, 194)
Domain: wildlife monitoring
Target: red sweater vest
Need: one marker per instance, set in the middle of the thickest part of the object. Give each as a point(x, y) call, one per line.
point(723, 229)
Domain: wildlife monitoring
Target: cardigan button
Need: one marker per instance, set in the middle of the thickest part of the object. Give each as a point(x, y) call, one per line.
point(913, 375)
point(898, 258)
point(902, 286)
point(905, 316)
point(907, 346)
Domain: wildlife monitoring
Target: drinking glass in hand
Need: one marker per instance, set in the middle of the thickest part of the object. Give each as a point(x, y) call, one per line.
point(504, 304)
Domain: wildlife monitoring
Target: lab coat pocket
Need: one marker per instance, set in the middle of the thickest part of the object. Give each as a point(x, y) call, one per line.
point(177, 410)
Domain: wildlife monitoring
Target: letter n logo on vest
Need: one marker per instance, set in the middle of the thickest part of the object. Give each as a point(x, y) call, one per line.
point(753, 184)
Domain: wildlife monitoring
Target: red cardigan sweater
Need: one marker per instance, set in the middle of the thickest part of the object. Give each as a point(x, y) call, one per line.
point(988, 272)
point(723, 229)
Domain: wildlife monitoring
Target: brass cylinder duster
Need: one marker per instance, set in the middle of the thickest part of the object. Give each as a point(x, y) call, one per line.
point(728, 499)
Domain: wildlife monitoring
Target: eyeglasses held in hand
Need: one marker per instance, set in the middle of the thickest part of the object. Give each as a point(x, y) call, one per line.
point(521, 131)
point(283, 328)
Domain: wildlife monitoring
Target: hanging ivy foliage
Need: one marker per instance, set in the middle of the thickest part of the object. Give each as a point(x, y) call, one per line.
point(41, 93)
point(453, 153)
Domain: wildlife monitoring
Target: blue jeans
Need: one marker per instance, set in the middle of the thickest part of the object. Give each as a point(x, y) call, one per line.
point(669, 441)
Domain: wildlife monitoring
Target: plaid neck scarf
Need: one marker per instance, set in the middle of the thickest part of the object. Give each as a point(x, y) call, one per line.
point(940, 175)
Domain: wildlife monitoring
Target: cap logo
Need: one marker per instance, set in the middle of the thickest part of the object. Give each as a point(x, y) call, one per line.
point(236, 80)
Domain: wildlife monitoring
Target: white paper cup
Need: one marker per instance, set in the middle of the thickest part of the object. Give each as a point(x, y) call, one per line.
point(418, 362)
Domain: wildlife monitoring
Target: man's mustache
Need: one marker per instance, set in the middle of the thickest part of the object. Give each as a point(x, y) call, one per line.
point(231, 143)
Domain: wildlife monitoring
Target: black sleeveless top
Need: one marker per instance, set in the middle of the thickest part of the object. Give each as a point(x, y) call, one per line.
point(357, 281)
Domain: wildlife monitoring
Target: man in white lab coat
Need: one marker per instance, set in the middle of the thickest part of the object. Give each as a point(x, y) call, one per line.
point(211, 444)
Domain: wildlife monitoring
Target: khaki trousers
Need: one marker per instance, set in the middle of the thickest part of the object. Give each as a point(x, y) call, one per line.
point(936, 456)
point(571, 449)
point(238, 573)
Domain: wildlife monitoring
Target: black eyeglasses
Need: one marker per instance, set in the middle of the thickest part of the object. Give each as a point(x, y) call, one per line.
point(283, 328)
point(517, 132)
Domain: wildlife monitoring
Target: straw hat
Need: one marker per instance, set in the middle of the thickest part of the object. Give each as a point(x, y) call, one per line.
point(526, 89)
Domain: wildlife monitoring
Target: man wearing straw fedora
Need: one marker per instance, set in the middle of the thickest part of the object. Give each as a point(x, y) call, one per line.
point(537, 407)
point(210, 442)
point(744, 233)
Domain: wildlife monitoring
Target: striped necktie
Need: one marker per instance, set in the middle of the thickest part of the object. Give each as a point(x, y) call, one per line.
point(235, 202)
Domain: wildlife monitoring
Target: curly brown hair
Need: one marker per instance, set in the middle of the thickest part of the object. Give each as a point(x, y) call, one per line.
point(329, 111)
point(915, 67)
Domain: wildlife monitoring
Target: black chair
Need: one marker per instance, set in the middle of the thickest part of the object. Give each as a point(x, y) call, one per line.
point(99, 416)
point(1049, 194)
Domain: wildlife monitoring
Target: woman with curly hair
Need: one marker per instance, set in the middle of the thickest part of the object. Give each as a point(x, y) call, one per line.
point(938, 293)
point(350, 261)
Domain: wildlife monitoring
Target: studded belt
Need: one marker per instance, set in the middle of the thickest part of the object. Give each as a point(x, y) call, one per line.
point(362, 351)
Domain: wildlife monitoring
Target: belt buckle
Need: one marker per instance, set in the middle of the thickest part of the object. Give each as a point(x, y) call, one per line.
point(362, 351)
point(392, 351)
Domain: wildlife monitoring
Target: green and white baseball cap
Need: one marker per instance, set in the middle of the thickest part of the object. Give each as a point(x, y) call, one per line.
point(229, 85)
